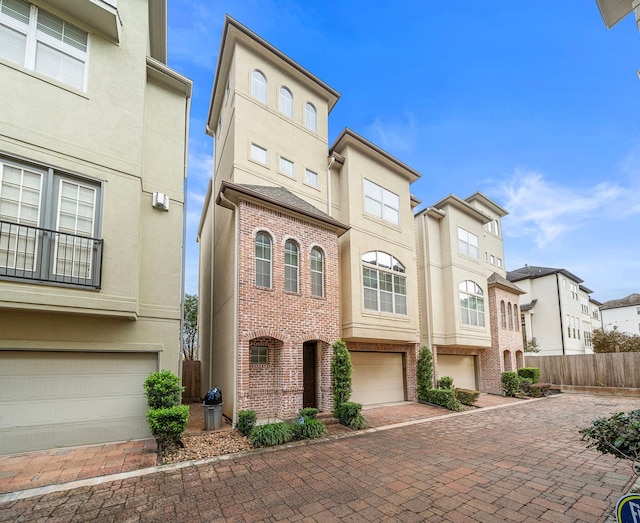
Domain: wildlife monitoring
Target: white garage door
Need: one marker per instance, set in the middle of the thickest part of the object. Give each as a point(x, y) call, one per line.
point(60, 399)
point(461, 368)
point(377, 377)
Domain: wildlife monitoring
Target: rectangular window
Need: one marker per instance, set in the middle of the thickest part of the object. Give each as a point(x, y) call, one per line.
point(468, 243)
point(286, 167)
point(55, 246)
point(493, 260)
point(311, 178)
point(258, 355)
point(381, 203)
point(259, 154)
point(384, 291)
point(42, 42)
point(500, 262)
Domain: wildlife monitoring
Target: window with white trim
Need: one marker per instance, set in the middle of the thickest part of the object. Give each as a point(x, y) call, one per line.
point(291, 264)
point(317, 272)
point(258, 354)
point(49, 221)
point(311, 178)
point(42, 42)
point(467, 243)
point(259, 154)
point(263, 260)
point(286, 167)
point(471, 303)
point(381, 203)
point(310, 117)
point(285, 102)
point(384, 282)
point(259, 86)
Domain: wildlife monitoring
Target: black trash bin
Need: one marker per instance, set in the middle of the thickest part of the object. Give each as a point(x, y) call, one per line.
point(213, 409)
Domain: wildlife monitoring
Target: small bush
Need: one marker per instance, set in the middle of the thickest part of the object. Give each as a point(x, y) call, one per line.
point(163, 390)
point(533, 373)
point(510, 383)
point(538, 390)
point(424, 371)
point(246, 421)
point(308, 412)
point(351, 415)
point(271, 434)
point(444, 398)
point(466, 396)
point(308, 428)
point(168, 424)
point(525, 385)
point(446, 382)
point(618, 435)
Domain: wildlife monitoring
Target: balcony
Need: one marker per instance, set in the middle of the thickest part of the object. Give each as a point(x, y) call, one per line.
point(43, 255)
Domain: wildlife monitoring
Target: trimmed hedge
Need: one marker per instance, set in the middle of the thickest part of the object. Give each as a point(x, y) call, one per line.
point(533, 373)
point(446, 382)
point(271, 434)
point(466, 396)
point(424, 371)
point(525, 384)
point(510, 383)
point(168, 424)
point(308, 412)
point(537, 390)
point(444, 398)
point(163, 390)
point(246, 421)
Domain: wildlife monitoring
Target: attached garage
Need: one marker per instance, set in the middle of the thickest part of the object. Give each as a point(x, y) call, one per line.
point(378, 377)
point(461, 368)
point(60, 399)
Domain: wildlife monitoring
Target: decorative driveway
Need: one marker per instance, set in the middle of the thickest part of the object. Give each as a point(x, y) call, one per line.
point(522, 462)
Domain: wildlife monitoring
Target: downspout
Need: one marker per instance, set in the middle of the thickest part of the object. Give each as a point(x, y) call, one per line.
point(427, 287)
point(560, 311)
point(332, 160)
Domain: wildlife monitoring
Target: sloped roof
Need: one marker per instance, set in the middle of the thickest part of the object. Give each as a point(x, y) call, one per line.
point(528, 306)
point(529, 272)
point(629, 301)
point(496, 279)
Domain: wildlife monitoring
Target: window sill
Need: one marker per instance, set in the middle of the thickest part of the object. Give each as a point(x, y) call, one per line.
point(382, 221)
point(43, 78)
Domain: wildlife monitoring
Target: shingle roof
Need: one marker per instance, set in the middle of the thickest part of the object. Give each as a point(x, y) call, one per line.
point(529, 272)
point(528, 306)
point(629, 301)
point(496, 279)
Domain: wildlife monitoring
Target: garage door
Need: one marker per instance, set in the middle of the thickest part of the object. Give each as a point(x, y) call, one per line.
point(461, 368)
point(377, 377)
point(59, 399)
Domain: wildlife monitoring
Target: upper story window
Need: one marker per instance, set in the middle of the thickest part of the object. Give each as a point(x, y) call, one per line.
point(58, 245)
point(467, 243)
point(259, 154)
point(492, 227)
point(311, 178)
point(286, 167)
point(259, 86)
point(516, 316)
point(286, 102)
point(263, 260)
point(471, 304)
point(310, 117)
point(291, 263)
point(573, 288)
point(381, 203)
point(384, 283)
point(503, 315)
point(510, 315)
point(42, 42)
point(317, 272)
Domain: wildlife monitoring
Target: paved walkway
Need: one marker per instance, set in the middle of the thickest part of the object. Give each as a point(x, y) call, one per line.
point(523, 462)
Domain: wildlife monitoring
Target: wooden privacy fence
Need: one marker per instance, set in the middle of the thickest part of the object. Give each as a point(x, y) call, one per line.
point(620, 369)
point(191, 380)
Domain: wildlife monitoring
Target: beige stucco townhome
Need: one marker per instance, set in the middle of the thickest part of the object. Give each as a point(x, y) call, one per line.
point(92, 168)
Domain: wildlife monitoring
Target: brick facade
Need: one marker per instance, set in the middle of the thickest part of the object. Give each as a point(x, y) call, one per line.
point(283, 320)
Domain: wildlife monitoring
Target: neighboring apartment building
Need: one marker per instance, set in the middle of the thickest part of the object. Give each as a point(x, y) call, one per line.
point(612, 11)
point(556, 310)
point(92, 167)
point(469, 312)
point(300, 244)
point(622, 314)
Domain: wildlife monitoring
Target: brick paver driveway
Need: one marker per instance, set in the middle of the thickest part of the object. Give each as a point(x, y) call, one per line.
point(523, 462)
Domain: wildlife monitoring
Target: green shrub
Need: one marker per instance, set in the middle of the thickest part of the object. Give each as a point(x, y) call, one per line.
point(525, 385)
point(163, 390)
point(341, 371)
point(168, 424)
point(446, 382)
point(466, 396)
point(246, 421)
point(424, 371)
point(533, 373)
point(444, 398)
point(308, 428)
point(618, 435)
point(308, 412)
point(271, 434)
point(351, 415)
point(537, 390)
point(510, 383)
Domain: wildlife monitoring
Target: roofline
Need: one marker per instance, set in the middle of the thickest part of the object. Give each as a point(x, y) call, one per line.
point(488, 202)
point(463, 205)
point(522, 276)
point(348, 133)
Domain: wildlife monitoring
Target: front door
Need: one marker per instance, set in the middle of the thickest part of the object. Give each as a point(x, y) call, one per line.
point(309, 374)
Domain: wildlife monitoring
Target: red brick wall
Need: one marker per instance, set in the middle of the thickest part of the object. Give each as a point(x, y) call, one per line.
point(284, 320)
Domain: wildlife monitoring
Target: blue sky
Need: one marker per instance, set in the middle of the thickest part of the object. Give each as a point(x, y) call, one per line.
point(535, 104)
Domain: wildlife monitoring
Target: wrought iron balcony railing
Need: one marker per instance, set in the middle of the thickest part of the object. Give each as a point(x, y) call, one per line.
point(44, 255)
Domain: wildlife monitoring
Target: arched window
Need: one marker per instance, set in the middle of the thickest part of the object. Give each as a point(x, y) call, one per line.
point(384, 282)
point(516, 318)
point(503, 315)
point(259, 86)
point(263, 260)
point(286, 102)
point(310, 117)
point(291, 266)
point(471, 304)
point(317, 272)
point(510, 314)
